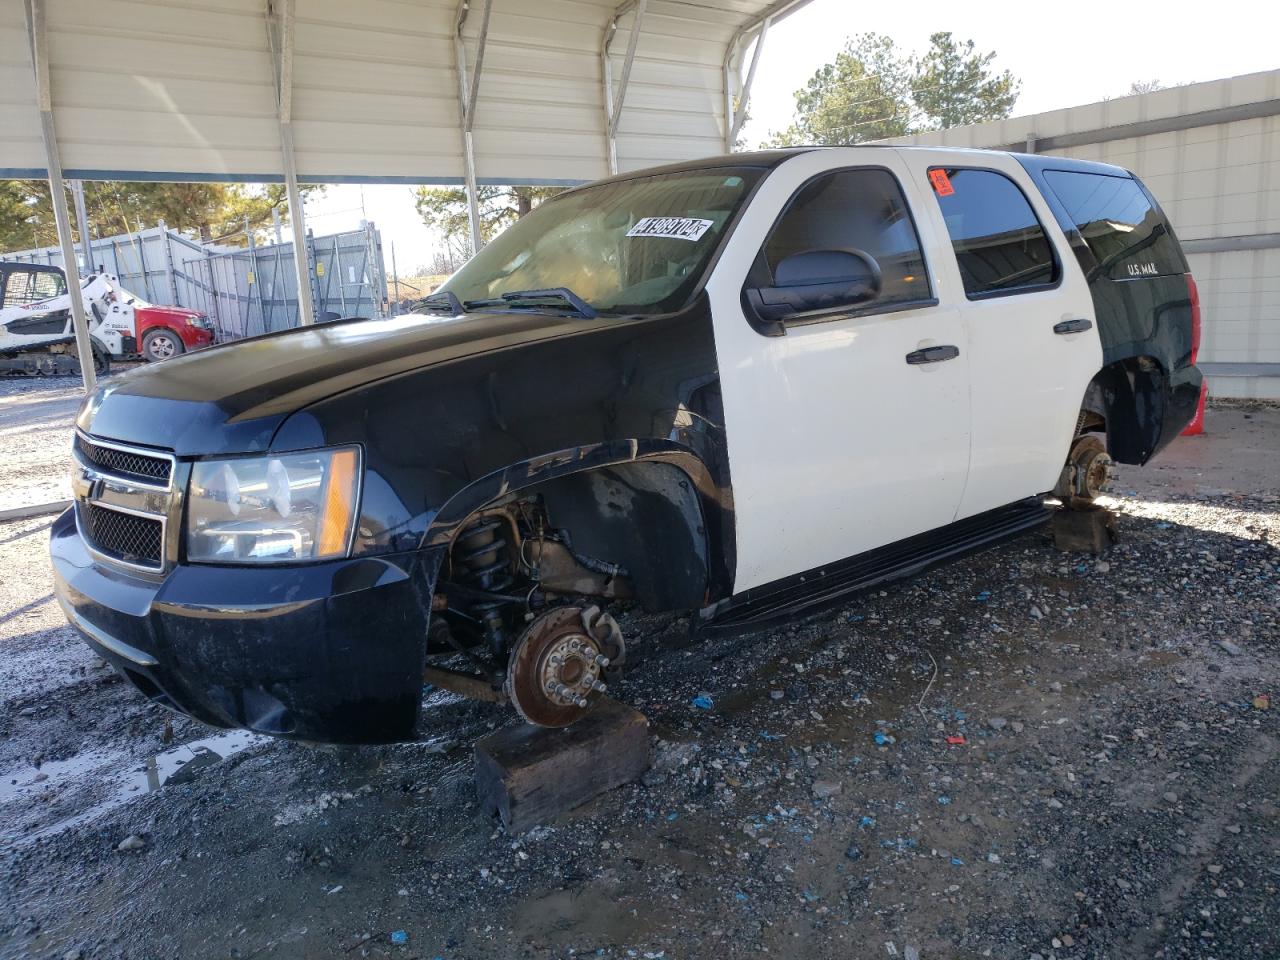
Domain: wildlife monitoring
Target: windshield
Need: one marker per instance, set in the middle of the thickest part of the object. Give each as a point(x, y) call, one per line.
point(631, 246)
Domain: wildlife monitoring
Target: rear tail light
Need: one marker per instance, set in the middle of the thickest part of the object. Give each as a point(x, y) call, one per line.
point(1194, 293)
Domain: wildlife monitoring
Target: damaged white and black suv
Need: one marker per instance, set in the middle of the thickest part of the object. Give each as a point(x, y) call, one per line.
point(742, 387)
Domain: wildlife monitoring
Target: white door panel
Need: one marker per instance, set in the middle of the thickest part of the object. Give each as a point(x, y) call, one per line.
point(1027, 381)
point(1028, 384)
point(836, 444)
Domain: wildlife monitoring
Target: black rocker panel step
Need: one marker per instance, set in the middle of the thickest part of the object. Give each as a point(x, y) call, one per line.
point(815, 590)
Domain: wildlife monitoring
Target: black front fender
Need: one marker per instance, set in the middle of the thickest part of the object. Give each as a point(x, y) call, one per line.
point(445, 438)
point(713, 526)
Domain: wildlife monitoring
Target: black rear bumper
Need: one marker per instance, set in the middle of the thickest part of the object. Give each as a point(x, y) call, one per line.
point(329, 652)
point(1180, 405)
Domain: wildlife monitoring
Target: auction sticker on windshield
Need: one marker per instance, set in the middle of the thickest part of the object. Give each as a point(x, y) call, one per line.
point(675, 228)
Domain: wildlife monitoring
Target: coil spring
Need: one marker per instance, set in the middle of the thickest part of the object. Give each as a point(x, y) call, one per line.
point(480, 561)
point(480, 552)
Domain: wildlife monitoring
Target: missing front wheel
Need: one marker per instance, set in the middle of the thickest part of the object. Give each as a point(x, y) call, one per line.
point(559, 663)
point(510, 603)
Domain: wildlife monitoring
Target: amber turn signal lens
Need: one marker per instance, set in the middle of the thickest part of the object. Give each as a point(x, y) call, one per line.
point(339, 504)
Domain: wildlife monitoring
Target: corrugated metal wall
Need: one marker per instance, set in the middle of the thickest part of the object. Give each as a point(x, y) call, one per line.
point(1210, 152)
point(246, 291)
point(19, 120)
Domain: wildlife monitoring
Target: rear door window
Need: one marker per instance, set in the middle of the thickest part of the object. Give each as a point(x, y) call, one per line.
point(1000, 246)
point(861, 209)
point(1126, 233)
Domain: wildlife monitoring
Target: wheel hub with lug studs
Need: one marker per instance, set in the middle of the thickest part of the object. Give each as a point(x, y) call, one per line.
point(558, 663)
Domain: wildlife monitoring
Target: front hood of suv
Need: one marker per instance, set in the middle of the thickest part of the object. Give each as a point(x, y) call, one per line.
point(233, 398)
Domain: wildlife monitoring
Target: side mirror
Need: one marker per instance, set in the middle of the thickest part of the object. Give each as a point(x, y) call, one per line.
point(817, 280)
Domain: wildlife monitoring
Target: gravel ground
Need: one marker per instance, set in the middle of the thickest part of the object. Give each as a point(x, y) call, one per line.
point(1024, 754)
point(35, 435)
point(36, 415)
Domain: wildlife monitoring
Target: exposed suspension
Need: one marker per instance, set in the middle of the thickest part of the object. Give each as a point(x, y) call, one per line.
point(482, 562)
point(516, 586)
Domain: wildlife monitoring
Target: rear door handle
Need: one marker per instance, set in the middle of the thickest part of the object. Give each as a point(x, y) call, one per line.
point(933, 354)
point(1078, 325)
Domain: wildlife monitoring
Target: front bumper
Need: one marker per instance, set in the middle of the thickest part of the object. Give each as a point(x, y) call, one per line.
point(193, 338)
point(328, 652)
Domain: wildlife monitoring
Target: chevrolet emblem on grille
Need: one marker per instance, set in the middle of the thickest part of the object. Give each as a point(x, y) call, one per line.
point(84, 485)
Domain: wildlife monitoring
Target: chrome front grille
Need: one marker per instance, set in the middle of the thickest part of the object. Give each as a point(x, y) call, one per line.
point(132, 464)
point(125, 499)
point(131, 538)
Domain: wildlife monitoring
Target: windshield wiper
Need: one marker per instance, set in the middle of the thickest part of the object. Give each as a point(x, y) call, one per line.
point(445, 299)
point(515, 297)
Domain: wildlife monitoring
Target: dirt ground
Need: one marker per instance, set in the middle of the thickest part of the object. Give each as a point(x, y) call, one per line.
point(36, 417)
point(35, 437)
point(1024, 754)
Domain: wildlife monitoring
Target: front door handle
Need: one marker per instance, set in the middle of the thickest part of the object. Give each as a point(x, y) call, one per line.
point(933, 354)
point(1078, 325)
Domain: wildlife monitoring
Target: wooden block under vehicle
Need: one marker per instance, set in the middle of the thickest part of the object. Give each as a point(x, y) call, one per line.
point(1087, 527)
point(530, 775)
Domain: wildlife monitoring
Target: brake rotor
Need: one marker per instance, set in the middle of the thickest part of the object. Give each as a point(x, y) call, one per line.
point(558, 663)
point(1092, 466)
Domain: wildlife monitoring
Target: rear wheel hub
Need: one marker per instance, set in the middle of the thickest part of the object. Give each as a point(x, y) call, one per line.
point(1093, 468)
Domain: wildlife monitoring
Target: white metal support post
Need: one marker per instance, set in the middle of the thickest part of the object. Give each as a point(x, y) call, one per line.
point(612, 107)
point(735, 116)
point(468, 90)
point(37, 35)
point(740, 115)
point(280, 35)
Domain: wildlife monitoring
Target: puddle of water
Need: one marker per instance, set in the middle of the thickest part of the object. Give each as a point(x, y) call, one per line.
point(176, 766)
point(122, 780)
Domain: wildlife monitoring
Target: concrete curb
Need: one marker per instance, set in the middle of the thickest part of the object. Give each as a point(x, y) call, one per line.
point(33, 510)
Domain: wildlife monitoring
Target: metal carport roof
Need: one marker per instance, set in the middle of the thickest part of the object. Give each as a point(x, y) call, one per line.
point(185, 89)
point(380, 91)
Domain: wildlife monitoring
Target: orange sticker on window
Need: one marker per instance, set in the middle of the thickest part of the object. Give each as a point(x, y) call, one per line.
point(941, 183)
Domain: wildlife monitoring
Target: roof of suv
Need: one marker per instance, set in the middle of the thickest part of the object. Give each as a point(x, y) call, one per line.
point(768, 159)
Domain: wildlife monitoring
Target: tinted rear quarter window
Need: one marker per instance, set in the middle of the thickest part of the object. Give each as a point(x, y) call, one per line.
point(1122, 228)
point(999, 243)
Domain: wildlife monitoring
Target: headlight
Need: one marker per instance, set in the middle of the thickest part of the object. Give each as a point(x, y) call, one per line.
point(300, 506)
